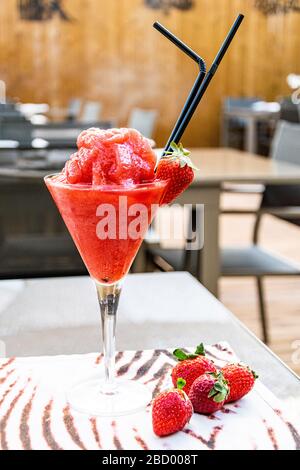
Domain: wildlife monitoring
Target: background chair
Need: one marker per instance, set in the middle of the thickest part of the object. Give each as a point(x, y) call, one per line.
point(74, 109)
point(71, 113)
point(143, 120)
point(285, 147)
point(233, 128)
point(33, 239)
point(91, 112)
point(289, 111)
point(233, 134)
point(254, 260)
point(14, 125)
point(243, 128)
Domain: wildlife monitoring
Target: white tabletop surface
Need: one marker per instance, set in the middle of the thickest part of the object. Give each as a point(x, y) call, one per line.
point(157, 310)
point(228, 165)
point(216, 166)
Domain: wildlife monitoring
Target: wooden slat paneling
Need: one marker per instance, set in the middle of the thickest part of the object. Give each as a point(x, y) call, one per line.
point(111, 53)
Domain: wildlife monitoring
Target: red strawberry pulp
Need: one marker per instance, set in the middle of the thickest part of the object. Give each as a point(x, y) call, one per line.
point(114, 156)
point(108, 165)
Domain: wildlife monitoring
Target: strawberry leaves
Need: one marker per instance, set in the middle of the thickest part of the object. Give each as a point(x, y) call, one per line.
point(178, 152)
point(220, 389)
point(183, 356)
point(200, 350)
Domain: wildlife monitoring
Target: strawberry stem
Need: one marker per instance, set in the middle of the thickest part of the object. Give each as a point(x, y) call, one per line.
point(220, 390)
point(180, 383)
point(178, 152)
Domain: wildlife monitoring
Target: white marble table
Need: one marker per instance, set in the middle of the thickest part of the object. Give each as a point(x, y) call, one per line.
point(157, 310)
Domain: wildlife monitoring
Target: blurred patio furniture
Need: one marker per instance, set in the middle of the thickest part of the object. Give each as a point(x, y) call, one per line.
point(30, 109)
point(18, 130)
point(8, 144)
point(64, 134)
point(285, 148)
point(289, 111)
point(13, 124)
point(250, 261)
point(74, 109)
point(281, 201)
point(143, 120)
point(33, 239)
point(91, 112)
point(247, 119)
point(59, 133)
point(71, 113)
point(36, 113)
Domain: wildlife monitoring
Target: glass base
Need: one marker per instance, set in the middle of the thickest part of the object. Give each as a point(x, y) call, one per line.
point(127, 398)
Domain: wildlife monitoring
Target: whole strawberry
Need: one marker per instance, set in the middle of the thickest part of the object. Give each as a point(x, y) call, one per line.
point(241, 380)
point(209, 392)
point(171, 410)
point(191, 366)
point(175, 167)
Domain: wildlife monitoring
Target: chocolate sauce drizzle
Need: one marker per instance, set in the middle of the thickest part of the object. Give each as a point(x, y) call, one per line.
point(125, 368)
point(116, 439)
point(71, 428)
point(10, 360)
point(24, 426)
point(95, 431)
point(4, 420)
point(147, 366)
point(211, 442)
point(140, 440)
point(7, 391)
point(3, 379)
point(46, 427)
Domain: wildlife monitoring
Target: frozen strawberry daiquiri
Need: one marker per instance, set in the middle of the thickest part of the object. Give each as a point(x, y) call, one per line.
point(99, 194)
point(107, 194)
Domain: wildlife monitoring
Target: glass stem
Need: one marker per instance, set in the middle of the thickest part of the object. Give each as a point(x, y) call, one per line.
point(108, 296)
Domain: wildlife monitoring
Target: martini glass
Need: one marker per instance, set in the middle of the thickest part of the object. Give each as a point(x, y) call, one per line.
point(108, 225)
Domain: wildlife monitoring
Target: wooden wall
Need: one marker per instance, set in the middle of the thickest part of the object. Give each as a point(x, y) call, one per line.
point(110, 52)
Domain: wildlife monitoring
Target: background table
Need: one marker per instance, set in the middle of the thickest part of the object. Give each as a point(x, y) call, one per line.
point(251, 117)
point(216, 167)
point(157, 310)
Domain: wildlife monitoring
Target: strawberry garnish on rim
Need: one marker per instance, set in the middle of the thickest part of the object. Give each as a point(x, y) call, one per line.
point(176, 167)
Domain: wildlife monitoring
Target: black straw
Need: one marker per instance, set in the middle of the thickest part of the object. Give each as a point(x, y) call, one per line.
point(202, 66)
point(187, 105)
point(186, 49)
point(177, 134)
